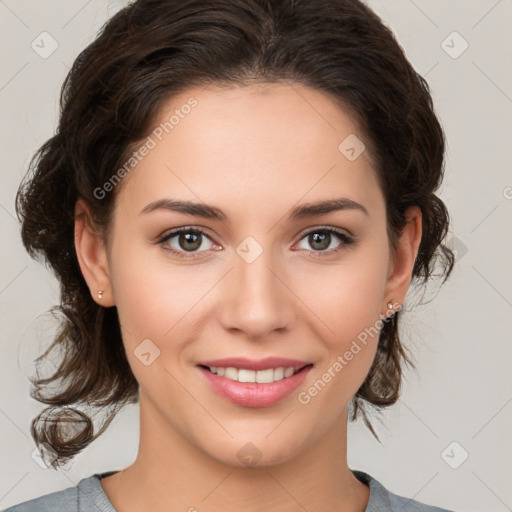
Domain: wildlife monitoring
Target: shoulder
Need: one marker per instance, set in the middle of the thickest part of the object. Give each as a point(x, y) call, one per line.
point(382, 500)
point(87, 495)
point(61, 500)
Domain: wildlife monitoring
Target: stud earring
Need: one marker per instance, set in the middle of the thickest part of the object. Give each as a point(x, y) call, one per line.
point(100, 293)
point(390, 305)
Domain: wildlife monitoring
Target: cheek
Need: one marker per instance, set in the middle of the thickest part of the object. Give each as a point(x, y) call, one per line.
point(349, 331)
point(346, 304)
point(346, 298)
point(152, 295)
point(154, 302)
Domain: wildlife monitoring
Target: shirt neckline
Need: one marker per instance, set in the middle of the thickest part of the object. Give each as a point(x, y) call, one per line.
point(93, 486)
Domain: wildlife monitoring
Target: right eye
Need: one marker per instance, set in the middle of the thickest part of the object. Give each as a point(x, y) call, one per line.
point(187, 241)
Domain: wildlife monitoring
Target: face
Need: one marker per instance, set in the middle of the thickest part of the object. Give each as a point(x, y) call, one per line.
point(264, 277)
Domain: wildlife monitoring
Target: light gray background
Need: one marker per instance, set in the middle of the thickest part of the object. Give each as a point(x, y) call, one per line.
point(462, 388)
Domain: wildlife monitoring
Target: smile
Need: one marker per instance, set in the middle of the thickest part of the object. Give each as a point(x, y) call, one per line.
point(263, 385)
point(260, 376)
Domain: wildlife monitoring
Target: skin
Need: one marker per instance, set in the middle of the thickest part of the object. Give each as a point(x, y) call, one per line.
point(255, 152)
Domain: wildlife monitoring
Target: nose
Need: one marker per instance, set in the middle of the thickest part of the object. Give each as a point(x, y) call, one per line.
point(256, 298)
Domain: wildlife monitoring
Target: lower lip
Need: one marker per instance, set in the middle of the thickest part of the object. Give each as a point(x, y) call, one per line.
point(253, 394)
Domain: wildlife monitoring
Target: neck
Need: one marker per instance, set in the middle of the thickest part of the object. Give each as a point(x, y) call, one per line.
point(171, 473)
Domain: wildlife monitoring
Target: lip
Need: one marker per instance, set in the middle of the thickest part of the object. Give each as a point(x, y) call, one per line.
point(253, 364)
point(252, 394)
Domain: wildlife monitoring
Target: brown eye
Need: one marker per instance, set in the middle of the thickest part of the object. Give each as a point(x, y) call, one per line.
point(320, 239)
point(189, 241)
point(185, 240)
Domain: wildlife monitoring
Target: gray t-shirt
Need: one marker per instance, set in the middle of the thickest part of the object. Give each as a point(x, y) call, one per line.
point(88, 496)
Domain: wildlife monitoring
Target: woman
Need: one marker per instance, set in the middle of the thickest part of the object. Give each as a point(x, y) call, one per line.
point(236, 201)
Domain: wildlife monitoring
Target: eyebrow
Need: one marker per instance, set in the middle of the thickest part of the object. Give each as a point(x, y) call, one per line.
point(211, 212)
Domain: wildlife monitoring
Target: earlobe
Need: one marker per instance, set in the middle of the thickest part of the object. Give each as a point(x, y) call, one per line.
point(92, 255)
point(402, 262)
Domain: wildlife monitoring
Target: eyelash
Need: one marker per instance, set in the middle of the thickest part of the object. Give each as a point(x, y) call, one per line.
point(346, 241)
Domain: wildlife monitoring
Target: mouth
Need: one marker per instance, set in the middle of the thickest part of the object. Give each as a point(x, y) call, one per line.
point(266, 376)
point(254, 383)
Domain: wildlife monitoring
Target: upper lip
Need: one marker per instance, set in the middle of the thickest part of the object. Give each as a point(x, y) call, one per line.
point(253, 364)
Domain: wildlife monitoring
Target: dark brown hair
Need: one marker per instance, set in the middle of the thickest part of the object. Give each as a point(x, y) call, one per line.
point(153, 49)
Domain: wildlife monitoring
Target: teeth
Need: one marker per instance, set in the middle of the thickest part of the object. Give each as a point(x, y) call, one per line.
point(231, 373)
point(279, 373)
point(289, 372)
point(246, 375)
point(265, 376)
point(260, 376)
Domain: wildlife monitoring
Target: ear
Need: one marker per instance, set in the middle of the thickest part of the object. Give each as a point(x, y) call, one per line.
point(402, 262)
point(92, 255)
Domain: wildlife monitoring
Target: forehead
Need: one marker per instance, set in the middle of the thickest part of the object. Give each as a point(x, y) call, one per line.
point(269, 145)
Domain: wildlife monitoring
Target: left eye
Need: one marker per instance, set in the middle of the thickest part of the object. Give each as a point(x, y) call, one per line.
point(321, 238)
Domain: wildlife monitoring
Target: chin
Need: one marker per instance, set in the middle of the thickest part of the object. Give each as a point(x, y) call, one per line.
point(259, 453)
